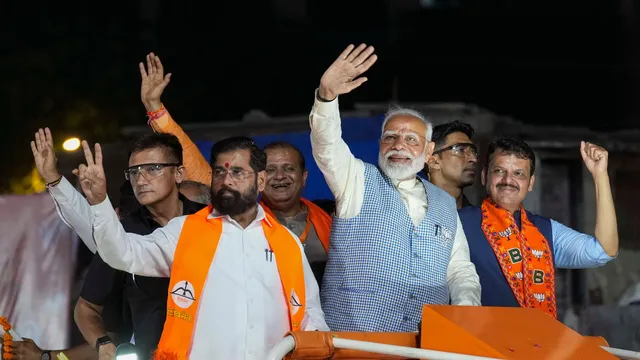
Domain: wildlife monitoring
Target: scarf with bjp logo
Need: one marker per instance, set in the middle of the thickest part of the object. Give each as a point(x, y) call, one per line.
point(524, 256)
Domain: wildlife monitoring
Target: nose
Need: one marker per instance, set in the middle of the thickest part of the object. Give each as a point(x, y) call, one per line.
point(279, 174)
point(398, 144)
point(228, 180)
point(141, 180)
point(471, 157)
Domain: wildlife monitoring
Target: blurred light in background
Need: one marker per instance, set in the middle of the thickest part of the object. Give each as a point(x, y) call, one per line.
point(71, 144)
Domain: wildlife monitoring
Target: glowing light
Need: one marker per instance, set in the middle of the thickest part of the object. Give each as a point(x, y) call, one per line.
point(71, 144)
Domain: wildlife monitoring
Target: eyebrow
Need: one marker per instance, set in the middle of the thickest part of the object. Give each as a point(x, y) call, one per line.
point(394, 132)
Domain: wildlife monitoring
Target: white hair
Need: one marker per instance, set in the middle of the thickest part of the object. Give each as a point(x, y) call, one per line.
point(402, 111)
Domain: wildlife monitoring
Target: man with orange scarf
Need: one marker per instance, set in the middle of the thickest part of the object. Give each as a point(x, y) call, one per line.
point(239, 281)
point(286, 172)
point(516, 252)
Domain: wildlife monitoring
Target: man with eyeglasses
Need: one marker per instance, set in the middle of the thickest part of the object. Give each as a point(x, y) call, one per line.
point(453, 164)
point(239, 281)
point(113, 300)
point(396, 241)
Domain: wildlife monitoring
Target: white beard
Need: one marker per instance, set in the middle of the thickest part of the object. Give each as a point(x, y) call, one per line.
point(401, 171)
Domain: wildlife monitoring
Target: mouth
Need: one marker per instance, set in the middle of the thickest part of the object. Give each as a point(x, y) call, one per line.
point(507, 189)
point(395, 158)
point(280, 187)
point(470, 171)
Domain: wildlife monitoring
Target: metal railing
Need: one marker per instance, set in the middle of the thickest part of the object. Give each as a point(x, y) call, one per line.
point(288, 344)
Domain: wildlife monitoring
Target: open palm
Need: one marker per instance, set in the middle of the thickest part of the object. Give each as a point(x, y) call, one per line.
point(342, 76)
point(92, 178)
point(153, 82)
point(45, 156)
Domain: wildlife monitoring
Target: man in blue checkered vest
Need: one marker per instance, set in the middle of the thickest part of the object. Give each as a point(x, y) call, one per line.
point(396, 240)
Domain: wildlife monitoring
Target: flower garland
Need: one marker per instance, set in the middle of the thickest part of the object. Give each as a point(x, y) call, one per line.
point(7, 339)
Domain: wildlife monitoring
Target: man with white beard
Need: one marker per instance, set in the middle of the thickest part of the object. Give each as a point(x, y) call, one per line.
point(396, 241)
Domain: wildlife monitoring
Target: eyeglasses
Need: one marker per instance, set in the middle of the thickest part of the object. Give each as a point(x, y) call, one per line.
point(460, 149)
point(237, 173)
point(409, 139)
point(148, 171)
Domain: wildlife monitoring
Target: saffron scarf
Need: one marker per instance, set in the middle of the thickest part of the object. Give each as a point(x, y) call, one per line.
point(524, 256)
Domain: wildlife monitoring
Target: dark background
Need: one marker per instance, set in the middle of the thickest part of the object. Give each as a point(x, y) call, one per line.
point(72, 65)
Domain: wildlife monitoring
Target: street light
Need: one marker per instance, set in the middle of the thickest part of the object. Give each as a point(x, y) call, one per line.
point(71, 144)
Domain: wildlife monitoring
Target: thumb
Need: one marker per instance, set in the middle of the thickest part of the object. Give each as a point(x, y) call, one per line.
point(166, 79)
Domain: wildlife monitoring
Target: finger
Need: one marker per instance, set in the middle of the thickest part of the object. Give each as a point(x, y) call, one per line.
point(167, 79)
point(355, 83)
point(143, 71)
point(364, 55)
point(76, 172)
point(98, 150)
point(152, 57)
point(367, 64)
point(43, 139)
point(33, 148)
point(149, 65)
point(582, 149)
point(159, 67)
point(87, 152)
point(356, 52)
point(346, 52)
point(82, 169)
point(49, 137)
point(38, 142)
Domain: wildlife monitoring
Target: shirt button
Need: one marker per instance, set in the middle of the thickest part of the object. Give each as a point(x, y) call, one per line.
point(250, 351)
point(415, 275)
point(250, 301)
point(411, 296)
point(250, 326)
point(249, 277)
point(416, 255)
point(405, 318)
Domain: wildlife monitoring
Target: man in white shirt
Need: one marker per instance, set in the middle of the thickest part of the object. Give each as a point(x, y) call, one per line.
point(396, 241)
point(230, 297)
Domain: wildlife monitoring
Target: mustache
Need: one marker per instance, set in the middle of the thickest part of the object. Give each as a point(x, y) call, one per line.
point(504, 186)
point(226, 189)
point(398, 152)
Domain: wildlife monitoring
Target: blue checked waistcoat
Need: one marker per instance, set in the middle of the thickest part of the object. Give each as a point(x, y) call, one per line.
point(382, 268)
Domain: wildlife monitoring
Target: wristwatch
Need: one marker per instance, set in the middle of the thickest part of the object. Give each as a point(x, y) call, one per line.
point(46, 355)
point(102, 341)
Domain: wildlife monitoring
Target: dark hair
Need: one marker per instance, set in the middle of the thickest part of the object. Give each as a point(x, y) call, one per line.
point(512, 146)
point(258, 160)
point(440, 132)
point(167, 142)
point(286, 145)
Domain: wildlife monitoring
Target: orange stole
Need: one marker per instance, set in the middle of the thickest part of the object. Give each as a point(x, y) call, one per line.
point(524, 256)
point(319, 218)
point(194, 254)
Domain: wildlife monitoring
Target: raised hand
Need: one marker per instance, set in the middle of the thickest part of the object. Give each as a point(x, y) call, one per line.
point(595, 157)
point(153, 82)
point(92, 178)
point(45, 156)
point(342, 76)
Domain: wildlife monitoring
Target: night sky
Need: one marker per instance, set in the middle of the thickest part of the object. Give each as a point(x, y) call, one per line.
point(72, 65)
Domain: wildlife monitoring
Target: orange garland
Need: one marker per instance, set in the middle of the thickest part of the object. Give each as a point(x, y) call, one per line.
point(7, 339)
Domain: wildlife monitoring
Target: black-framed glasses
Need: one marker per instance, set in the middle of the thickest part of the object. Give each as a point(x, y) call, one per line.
point(148, 171)
point(460, 149)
